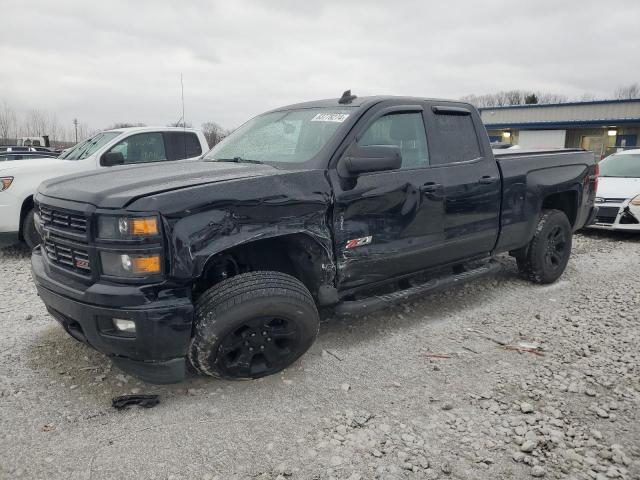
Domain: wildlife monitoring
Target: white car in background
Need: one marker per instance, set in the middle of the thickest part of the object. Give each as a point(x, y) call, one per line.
point(618, 194)
point(19, 179)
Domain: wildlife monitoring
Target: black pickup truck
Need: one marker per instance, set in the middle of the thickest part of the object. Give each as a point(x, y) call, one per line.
point(350, 203)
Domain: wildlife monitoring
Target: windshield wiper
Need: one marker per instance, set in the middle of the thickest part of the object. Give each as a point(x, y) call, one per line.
point(237, 160)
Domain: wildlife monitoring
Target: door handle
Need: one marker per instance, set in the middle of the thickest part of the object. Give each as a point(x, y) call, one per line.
point(487, 179)
point(430, 187)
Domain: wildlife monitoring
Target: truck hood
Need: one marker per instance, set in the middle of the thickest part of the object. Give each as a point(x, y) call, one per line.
point(618, 187)
point(119, 186)
point(36, 164)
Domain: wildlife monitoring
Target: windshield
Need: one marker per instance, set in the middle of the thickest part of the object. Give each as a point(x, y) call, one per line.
point(89, 146)
point(291, 136)
point(621, 165)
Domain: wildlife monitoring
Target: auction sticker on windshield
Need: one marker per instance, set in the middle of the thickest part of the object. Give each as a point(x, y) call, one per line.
point(330, 117)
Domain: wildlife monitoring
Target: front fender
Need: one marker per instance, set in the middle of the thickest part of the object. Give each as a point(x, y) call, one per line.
point(254, 209)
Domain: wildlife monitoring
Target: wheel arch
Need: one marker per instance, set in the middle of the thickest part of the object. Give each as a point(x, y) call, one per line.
point(27, 205)
point(298, 254)
point(566, 201)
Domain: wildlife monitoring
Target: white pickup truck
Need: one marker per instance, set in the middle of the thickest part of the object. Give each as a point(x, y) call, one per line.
point(19, 179)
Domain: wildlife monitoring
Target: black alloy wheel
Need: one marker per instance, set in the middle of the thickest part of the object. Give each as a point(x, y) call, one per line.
point(259, 347)
point(252, 325)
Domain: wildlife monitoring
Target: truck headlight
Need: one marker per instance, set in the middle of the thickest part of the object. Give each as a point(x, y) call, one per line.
point(130, 265)
point(636, 201)
point(127, 228)
point(5, 182)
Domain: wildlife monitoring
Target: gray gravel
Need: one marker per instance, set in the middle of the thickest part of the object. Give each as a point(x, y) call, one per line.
point(424, 390)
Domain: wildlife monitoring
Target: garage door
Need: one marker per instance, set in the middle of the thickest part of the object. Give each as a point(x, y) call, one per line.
point(541, 138)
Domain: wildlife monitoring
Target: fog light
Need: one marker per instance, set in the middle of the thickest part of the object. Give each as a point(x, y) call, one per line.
point(123, 325)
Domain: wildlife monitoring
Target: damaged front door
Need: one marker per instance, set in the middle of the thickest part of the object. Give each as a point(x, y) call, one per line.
point(391, 222)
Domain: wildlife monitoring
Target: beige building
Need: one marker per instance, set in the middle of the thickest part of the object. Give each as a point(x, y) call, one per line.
point(601, 126)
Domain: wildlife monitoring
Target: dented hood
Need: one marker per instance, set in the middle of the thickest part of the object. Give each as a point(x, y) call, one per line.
point(119, 186)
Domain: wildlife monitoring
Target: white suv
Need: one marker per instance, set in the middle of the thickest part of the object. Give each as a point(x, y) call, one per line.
point(19, 179)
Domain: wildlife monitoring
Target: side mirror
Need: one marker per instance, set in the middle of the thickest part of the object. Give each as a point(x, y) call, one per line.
point(111, 159)
point(372, 158)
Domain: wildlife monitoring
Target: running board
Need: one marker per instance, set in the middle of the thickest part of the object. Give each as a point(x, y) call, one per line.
point(371, 304)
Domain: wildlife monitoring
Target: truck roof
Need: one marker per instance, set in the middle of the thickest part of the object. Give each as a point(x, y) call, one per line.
point(359, 102)
point(152, 129)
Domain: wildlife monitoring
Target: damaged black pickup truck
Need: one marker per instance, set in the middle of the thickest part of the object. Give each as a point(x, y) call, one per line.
point(350, 203)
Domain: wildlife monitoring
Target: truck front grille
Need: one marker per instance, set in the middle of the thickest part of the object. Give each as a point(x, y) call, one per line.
point(66, 256)
point(62, 220)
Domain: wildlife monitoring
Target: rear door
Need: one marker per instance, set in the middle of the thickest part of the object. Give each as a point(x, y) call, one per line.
point(388, 223)
point(470, 178)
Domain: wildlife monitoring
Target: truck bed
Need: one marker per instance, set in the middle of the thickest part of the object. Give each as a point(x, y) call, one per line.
point(528, 176)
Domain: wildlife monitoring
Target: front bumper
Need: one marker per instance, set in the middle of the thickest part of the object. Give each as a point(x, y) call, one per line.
point(156, 353)
point(617, 216)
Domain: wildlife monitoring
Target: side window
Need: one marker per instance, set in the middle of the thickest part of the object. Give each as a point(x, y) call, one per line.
point(405, 130)
point(141, 148)
point(182, 145)
point(458, 138)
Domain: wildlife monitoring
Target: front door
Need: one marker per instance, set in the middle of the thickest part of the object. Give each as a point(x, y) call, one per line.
point(389, 223)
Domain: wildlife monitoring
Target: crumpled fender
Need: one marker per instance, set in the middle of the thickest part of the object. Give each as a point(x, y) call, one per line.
point(234, 213)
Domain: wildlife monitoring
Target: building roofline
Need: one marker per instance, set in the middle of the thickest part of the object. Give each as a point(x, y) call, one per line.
point(560, 124)
point(545, 105)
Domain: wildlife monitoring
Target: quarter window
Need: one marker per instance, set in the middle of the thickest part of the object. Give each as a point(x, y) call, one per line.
point(405, 130)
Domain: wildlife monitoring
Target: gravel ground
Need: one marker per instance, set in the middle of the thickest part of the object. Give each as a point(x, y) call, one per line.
point(423, 390)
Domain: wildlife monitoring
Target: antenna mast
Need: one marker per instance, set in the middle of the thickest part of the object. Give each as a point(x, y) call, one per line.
point(184, 121)
point(182, 89)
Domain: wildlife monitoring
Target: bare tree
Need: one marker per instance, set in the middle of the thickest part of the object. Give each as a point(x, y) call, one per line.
point(35, 123)
point(213, 132)
point(8, 122)
point(588, 97)
point(513, 97)
point(127, 125)
point(180, 124)
point(628, 92)
point(551, 98)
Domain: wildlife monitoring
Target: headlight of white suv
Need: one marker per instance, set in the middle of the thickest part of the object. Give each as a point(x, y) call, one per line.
point(5, 182)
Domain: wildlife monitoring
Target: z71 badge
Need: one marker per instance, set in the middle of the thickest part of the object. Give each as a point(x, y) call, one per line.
point(358, 242)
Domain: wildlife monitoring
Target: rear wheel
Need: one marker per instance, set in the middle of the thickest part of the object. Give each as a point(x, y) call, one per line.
point(29, 232)
point(547, 255)
point(252, 325)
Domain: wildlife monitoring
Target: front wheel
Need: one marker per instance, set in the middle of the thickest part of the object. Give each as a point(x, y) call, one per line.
point(29, 232)
point(547, 255)
point(252, 325)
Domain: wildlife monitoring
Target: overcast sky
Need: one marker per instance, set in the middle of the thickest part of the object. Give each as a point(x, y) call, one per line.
point(114, 61)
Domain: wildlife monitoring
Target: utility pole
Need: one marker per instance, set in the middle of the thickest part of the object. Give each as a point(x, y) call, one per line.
point(75, 124)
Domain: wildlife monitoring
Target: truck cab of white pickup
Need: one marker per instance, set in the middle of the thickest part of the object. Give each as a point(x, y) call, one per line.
point(19, 179)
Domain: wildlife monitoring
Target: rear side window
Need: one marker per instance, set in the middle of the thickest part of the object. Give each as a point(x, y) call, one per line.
point(457, 136)
point(181, 145)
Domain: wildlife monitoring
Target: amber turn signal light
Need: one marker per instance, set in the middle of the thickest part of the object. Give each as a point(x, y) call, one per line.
point(146, 264)
point(144, 226)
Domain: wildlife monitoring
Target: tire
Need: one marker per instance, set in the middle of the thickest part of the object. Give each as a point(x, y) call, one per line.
point(252, 325)
point(546, 257)
point(29, 232)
